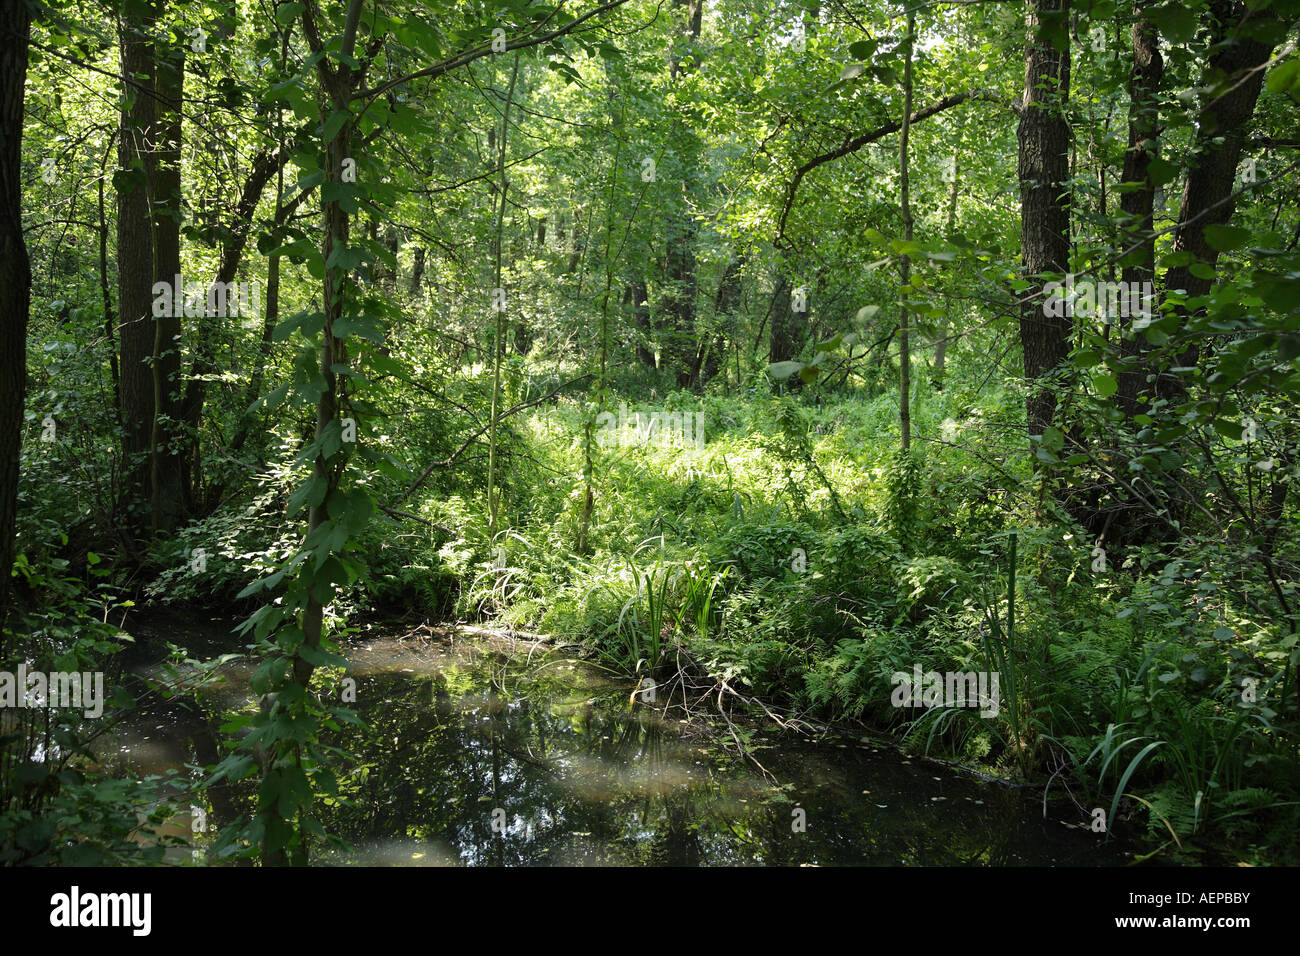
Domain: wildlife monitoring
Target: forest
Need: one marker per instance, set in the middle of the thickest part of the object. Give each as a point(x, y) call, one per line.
point(649, 432)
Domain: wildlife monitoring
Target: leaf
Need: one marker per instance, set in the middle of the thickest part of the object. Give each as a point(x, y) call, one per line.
point(1086, 358)
point(1284, 295)
point(1285, 78)
point(783, 370)
point(1105, 385)
point(905, 247)
point(1226, 238)
point(345, 194)
point(1161, 172)
point(851, 71)
point(128, 180)
point(320, 658)
point(1133, 765)
point(361, 326)
point(345, 258)
point(1176, 22)
point(288, 12)
point(309, 322)
point(1229, 428)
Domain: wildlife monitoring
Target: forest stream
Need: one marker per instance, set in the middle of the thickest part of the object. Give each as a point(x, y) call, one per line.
point(483, 750)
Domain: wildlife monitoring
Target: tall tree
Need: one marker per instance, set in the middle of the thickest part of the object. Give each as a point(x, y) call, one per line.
point(166, 488)
point(1138, 203)
point(905, 265)
point(785, 338)
point(1044, 137)
point(1232, 80)
point(15, 277)
point(135, 255)
point(679, 261)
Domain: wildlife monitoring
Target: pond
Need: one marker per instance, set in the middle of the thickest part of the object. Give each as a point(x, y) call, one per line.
point(483, 750)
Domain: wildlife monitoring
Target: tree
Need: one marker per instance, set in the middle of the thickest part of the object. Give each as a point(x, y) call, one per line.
point(1043, 170)
point(905, 260)
point(141, 335)
point(15, 278)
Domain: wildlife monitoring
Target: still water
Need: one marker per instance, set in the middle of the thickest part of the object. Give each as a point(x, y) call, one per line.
point(485, 751)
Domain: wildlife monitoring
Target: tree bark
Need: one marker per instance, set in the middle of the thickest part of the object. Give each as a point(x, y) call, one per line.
point(680, 283)
point(15, 278)
point(1138, 206)
point(725, 307)
point(788, 327)
point(1044, 140)
point(636, 296)
point(135, 260)
point(267, 164)
point(167, 489)
point(1235, 74)
point(417, 269)
point(905, 265)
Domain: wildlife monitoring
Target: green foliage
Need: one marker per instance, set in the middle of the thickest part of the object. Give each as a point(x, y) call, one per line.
point(56, 805)
point(903, 511)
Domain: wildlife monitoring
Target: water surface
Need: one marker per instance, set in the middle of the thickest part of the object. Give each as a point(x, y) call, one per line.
point(486, 751)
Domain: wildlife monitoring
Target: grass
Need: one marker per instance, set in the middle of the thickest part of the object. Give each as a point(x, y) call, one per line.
point(799, 559)
point(694, 552)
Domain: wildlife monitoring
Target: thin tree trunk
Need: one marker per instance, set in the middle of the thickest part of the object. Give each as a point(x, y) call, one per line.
point(110, 318)
point(265, 166)
point(498, 336)
point(724, 311)
point(637, 298)
point(417, 269)
point(941, 342)
point(339, 84)
point(905, 265)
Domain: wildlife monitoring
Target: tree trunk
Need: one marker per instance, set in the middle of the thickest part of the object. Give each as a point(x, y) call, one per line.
point(266, 165)
point(680, 283)
point(417, 269)
point(941, 341)
point(788, 327)
point(15, 278)
point(1044, 137)
point(135, 260)
point(1235, 75)
point(905, 265)
point(167, 487)
point(1143, 146)
point(725, 308)
point(636, 297)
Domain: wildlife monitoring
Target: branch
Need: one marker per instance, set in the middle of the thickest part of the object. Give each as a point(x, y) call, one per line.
point(266, 164)
point(446, 66)
point(448, 462)
point(857, 142)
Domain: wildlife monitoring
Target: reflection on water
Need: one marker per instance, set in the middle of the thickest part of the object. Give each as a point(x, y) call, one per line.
point(479, 752)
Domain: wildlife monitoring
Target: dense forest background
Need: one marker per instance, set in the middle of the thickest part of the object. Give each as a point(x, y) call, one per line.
point(765, 348)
